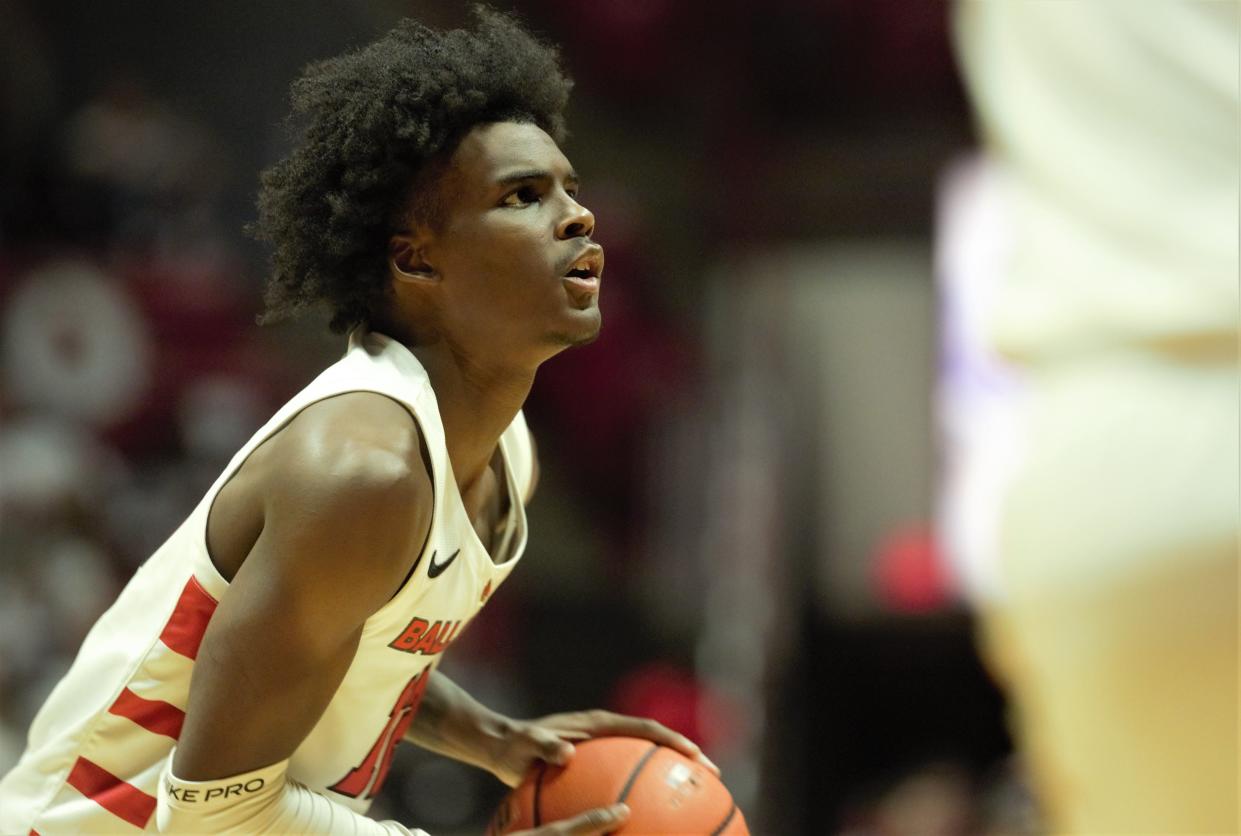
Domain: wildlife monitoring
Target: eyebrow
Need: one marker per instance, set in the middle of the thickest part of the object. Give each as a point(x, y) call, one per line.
point(533, 174)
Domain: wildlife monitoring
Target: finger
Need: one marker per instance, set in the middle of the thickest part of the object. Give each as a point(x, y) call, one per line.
point(609, 723)
point(599, 820)
point(549, 746)
point(568, 734)
point(708, 763)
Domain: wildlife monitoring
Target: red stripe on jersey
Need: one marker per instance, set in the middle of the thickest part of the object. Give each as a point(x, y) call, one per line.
point(153, 715)
point(184, 630)
point(118, 797)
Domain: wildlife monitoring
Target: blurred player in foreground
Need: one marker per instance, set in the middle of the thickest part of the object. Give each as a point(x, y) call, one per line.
point(315, 587)
point(1114, 126)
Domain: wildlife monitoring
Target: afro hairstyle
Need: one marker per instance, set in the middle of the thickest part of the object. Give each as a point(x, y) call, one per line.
point(374, 123)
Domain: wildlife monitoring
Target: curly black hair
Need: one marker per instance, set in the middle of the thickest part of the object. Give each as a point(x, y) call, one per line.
point(378, 121)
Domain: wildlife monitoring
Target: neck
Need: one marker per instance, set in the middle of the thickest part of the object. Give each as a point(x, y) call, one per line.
point(477, 402)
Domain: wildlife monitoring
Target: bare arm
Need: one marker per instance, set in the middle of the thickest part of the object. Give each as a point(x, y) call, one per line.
point(344, 514)
point(454, 724)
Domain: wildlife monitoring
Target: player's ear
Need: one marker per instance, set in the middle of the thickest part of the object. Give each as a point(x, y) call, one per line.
point(407, 259)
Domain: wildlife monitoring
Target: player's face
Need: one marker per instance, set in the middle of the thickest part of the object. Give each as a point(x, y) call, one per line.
point(517, 267)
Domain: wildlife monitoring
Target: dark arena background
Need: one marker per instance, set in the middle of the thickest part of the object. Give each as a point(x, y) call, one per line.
point(738, 529)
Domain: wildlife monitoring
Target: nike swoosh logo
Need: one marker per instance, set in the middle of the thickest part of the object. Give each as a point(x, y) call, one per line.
point(434, 570)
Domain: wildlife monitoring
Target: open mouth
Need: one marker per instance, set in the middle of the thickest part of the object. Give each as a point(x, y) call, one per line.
point(583, 275)
point(583, 287)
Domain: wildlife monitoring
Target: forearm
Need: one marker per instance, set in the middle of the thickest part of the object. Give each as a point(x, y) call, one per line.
point(454, 724)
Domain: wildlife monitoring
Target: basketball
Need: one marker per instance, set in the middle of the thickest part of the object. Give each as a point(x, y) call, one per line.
point(666, 791)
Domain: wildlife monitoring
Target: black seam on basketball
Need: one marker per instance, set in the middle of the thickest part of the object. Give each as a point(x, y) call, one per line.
point(538, 792)
point(633, 776)
point(724, 823)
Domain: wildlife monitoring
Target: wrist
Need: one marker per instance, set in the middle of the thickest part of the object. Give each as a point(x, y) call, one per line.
point(454, 724)
point(486, 736)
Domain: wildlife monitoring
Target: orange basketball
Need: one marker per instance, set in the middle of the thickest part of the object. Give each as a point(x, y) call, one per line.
point(666, 791)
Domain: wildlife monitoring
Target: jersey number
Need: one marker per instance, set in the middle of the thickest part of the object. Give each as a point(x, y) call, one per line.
point(369, 776)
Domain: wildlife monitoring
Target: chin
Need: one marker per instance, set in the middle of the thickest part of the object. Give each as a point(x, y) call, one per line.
point(585, 329)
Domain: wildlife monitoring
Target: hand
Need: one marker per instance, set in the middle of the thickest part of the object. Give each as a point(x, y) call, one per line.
point(551, 739)
point(598, 820)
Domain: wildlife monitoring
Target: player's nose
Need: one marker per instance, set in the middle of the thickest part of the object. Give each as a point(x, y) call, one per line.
point(578, 222)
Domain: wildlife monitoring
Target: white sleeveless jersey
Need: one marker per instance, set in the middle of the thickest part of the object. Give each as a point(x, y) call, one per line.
point(98, 745)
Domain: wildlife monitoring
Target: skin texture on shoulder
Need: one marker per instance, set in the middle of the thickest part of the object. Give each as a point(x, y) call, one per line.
point(345, 500)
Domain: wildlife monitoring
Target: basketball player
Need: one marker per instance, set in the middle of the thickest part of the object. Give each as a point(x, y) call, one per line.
point(314, 589)
point(1113, 127)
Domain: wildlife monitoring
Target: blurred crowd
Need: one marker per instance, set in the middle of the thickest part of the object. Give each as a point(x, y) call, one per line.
point(131, 372)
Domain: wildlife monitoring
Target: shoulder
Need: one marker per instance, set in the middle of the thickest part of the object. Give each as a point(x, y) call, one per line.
point(355, 442)
point(352, 462)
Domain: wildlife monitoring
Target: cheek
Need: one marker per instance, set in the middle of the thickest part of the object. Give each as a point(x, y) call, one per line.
point(501, 263)
point(523, 238)
point(507, 250)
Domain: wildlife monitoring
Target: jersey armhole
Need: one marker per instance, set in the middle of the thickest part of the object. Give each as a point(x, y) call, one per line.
point(424, 454)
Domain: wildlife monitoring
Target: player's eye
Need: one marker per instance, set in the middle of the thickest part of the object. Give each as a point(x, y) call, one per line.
point(521, 197)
